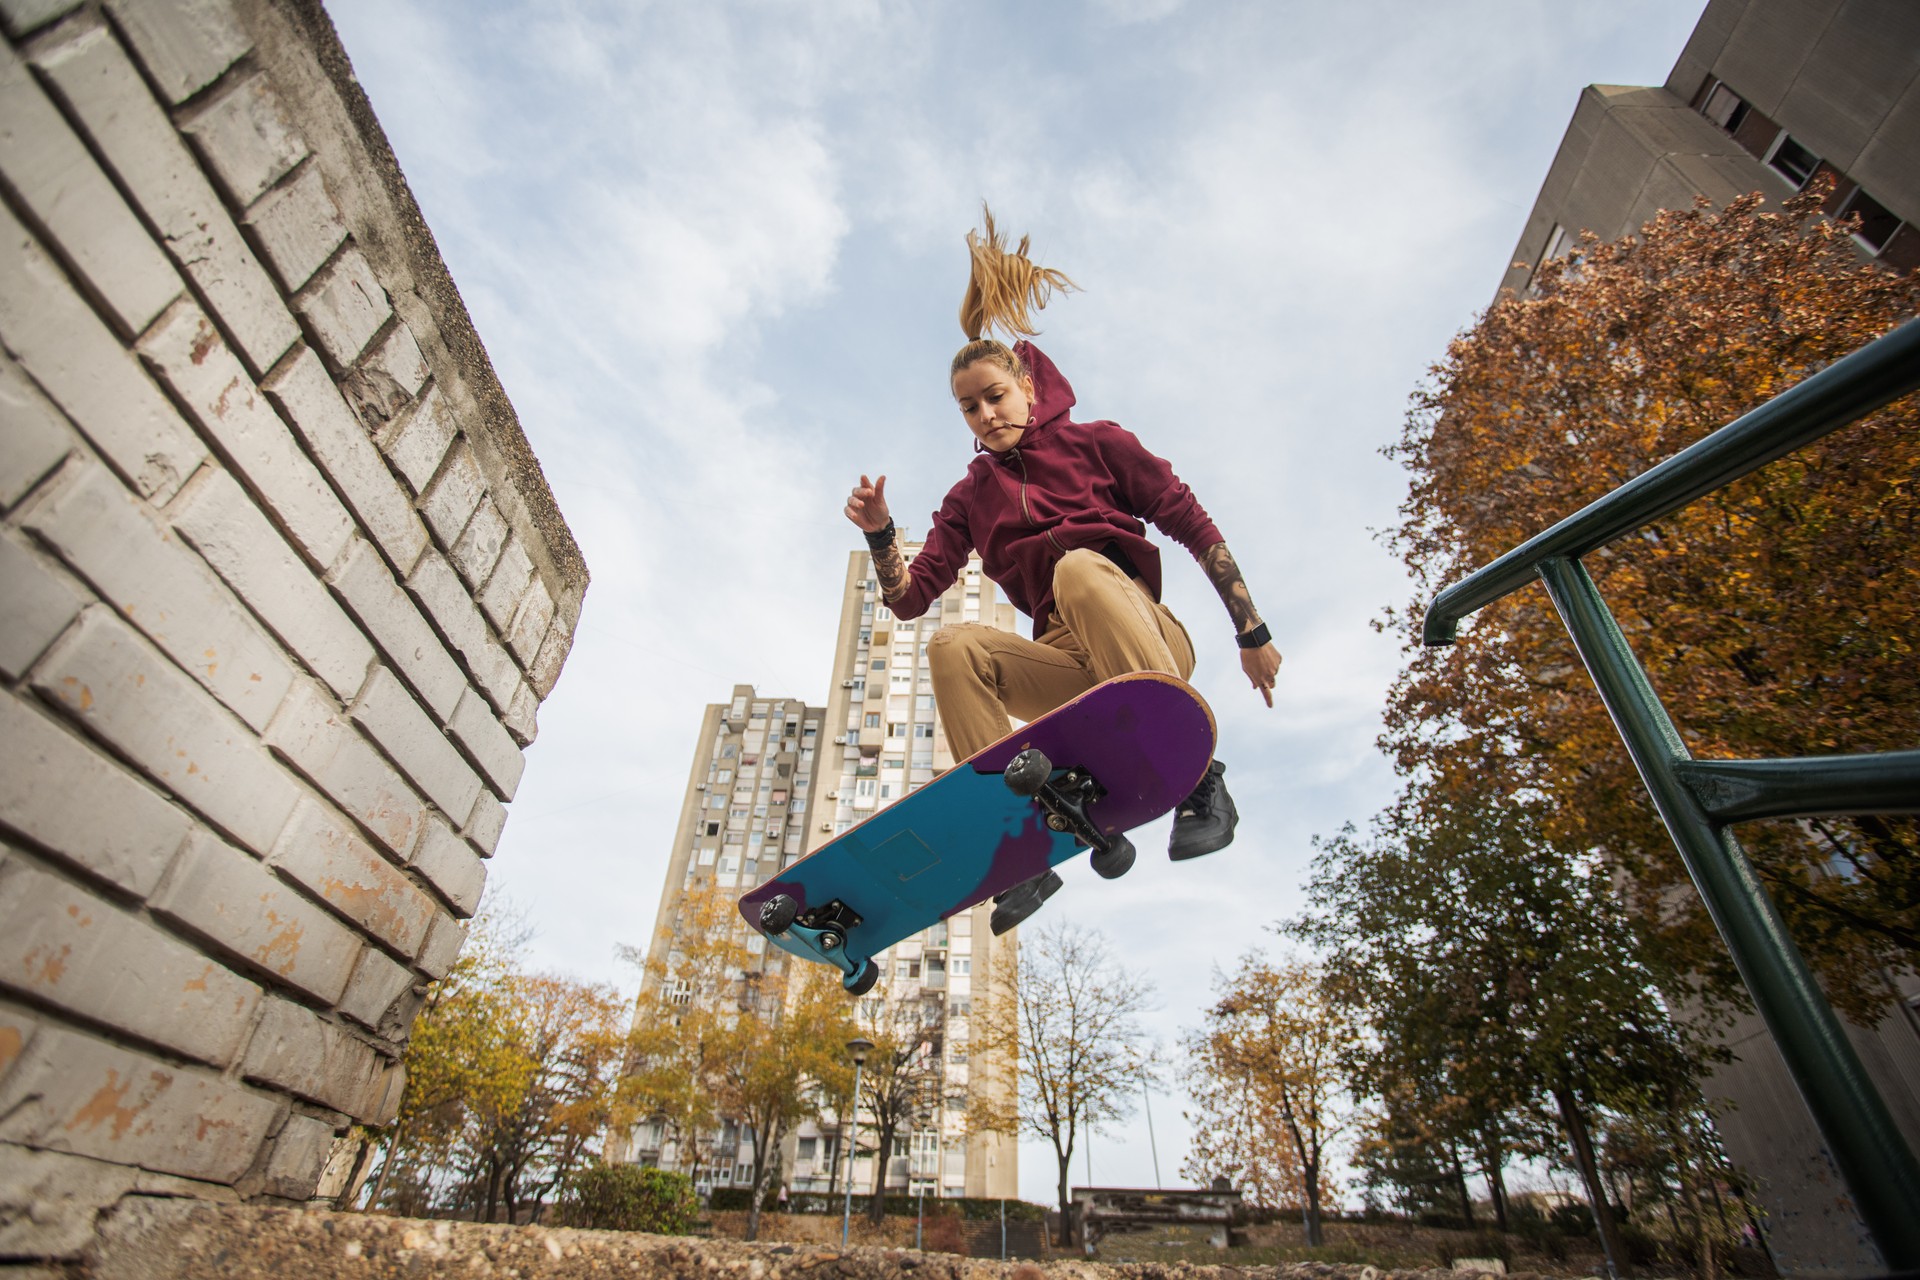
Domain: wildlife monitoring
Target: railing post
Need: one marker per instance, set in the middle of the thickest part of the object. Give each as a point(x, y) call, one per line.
point(1860, 1133)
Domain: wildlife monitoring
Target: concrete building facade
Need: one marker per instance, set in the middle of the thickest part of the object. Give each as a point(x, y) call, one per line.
point(1767, 96)
point(876, 738)
point(284, 589)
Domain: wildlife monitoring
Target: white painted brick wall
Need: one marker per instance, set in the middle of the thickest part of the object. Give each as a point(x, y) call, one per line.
point(48, 166)
point(187, 352)
point(242, 908)
point(397, 626)
point(109, 538)
point(417, 444)
point(33, 440)
point(297, 227)
point(205, 862)
point(77, 361)
point(344, 871)
point(221, 522)
point(344, 307)
point(391, 717)
point(124, 691)
point(307, 398)
point(68, 948)
point(245, 138)
point(449, 865)
point(76, 1093)
point(39, 605)
point(121, 831)
point(183, 44)
point(92, 73)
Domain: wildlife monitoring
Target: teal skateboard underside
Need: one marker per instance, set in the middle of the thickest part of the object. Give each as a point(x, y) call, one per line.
point(964, 837)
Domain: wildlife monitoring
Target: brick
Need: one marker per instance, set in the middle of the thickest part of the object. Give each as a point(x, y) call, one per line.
point(444, 941)
point(501, 597)
point(183, 44)
point(488, 744)
point(202, 371)
point(397, 626)
point(23, 16)
point(323, 853)
point(378, 986)
point(33, 440)
point(79, 1095)
point(39, 606)
point(111, 539)
point(92, 73)
point(398, 356)
point(530, 622)
point(16, 1033)
point(297, 227)
point(301, 1052)
point(65, 947)
point(82, 366)
point(240, 907)
point(296, 1157)
point(446, 602)
point(72, 800)
point(484, 826)
point(417, 445)
point(344, 306)
point(324, 745)
point(49, 1202)
point(123, 691)
point(450, 500)
point(219, 519)
point(520, 716)
point(451, 867)
point(391, 717)
point(545, 671)
point(54, 175)
point(307, 398)
point(480, 544)
point(245, 137)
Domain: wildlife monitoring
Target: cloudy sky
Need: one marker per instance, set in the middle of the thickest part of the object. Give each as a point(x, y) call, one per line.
point(715, 251)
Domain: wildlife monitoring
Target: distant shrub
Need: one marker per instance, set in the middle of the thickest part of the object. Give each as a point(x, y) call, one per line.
point(626, 1197)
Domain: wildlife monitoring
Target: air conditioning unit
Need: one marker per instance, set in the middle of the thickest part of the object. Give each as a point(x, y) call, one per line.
point(846, 684)
point(699, 786)
point(833, 795)
point(840, 739)
point(826, 826)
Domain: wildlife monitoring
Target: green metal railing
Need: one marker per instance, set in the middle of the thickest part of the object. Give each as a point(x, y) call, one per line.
point(1698, 798)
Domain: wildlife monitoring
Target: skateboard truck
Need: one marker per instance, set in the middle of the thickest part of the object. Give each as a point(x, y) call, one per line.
point(822, 930)
point(1065, 799)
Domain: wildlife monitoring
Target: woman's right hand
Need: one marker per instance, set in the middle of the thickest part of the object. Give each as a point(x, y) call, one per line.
point(867, 505)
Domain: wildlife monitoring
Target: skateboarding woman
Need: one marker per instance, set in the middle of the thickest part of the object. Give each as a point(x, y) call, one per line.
point(1056, 509)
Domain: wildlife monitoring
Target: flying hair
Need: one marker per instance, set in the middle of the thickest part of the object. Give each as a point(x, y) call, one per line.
point(1004, 288)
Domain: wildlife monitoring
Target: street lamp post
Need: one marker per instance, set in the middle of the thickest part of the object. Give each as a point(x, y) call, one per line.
point(859, 1048)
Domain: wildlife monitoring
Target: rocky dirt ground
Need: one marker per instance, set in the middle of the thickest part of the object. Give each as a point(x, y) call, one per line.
point(157, 1239)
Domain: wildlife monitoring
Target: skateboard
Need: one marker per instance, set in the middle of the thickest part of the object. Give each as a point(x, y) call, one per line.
point(1081, 776)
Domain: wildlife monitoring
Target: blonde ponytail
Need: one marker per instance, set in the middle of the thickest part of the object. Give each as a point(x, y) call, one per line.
point(1003, 286)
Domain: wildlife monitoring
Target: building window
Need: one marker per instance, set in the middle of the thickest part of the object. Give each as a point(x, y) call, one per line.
point(706, 857)
point(878, 664)
point(923, 731)
point(963, 964)
point(713, 828)
point(1724, 107)
point(1792, 161)
point(896, 730)
point(1877, 222)
point(873, 720)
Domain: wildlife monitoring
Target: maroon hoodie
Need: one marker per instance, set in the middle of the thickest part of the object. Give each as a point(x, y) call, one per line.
point(1067, 485)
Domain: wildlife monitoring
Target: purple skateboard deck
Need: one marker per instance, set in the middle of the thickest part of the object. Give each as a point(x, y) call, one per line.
point(1143, 739)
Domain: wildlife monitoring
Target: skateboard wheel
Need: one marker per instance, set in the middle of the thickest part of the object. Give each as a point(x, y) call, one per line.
point(861, 980)
point(1113, 861)
point(777, 914)
point(1028, 772)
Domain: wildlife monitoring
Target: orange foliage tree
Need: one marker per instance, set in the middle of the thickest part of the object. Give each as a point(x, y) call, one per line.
point(1775, 617)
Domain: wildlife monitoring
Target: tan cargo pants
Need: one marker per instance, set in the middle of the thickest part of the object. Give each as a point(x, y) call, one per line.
point(1104, 625)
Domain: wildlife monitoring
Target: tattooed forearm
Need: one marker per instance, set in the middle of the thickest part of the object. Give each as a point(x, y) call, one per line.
point(1225, 576)
point(891, 570)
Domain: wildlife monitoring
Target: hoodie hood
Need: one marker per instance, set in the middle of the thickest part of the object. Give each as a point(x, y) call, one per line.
point(1052, 393)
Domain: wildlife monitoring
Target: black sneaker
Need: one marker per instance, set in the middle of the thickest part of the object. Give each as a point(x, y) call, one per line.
point(1204, 822)
point(1021, 901)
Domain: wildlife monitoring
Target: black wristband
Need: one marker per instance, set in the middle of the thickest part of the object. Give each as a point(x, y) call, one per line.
point(879, 539)
point(1258, 638)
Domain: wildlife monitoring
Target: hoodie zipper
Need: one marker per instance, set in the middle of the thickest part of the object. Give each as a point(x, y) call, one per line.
point(1026, 510)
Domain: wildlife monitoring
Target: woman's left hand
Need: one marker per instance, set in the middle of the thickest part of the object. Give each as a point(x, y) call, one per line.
point(1262, 666)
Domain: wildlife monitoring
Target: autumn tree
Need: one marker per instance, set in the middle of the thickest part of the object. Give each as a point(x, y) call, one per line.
point(1275, 1037)
point(902, 1078)
point(1775, 617)
point(1068, 1014)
